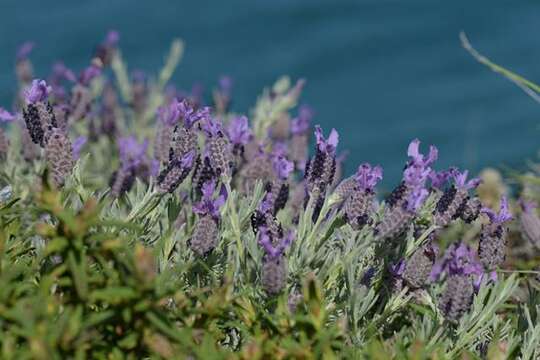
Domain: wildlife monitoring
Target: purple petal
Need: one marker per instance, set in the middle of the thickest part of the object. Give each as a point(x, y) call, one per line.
point(78, 145)
point(282, 167)
point(187, 160)
point(413, 150)
point(169, 115)
point(416, 199)
point(367, 177)
point(300, 124)
point(239, 131)
point(398, 268)
point(504, 214)
point(208, 189)
point(6, 116)
point(89, 73)
point(39, 91)
point(60, 71)
point(439, 178)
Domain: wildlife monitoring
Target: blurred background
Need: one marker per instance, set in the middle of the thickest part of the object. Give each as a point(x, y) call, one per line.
point(381, 72)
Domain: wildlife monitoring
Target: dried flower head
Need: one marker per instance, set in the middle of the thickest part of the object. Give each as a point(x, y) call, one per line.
point(455, 201)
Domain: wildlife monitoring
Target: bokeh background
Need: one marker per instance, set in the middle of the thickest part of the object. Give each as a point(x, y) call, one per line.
point(381, 72)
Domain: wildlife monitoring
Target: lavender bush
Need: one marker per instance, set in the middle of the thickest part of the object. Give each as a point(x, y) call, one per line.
point(138, 221)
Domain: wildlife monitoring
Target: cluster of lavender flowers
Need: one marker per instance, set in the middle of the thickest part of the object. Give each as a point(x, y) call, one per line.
point(204, 150)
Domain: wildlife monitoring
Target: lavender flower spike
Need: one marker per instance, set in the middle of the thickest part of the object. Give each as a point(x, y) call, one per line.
point(358, 205)
point(409, 196)
point(327, 145)
point(239, 131)
point(367, 177)
point(300, 124)
point(205, 235)
point(492, 244)
point(78, 144)
point(504, 214)
point(6, 116)
point(169, 115)
point(189, 115)
point(208, 205)
point(274, 269)
point(131, 152)
point(461, 180)
point(414, 152)
point(439, 178)
point(282, 167)
point(38, 92)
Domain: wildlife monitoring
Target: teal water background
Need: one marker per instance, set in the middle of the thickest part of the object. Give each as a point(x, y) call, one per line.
point(381, 72)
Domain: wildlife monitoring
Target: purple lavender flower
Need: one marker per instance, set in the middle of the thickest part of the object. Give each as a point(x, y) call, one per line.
point(455, 201)
point(492, 244)
point(300, 124)
point(320, 171)
point(133, 163)
point(239, 131)
point(409, 196)
point(58, 153)
point(461, 180)
point(457, 297)
point(274, 269)
point(61, 72)
point(218, 148)
point(24, 50)
point(91, 72)
point(416, 174)
point(190, 115)
point(6, 116)
point(460, 259)
point(329, 145)
point(169, 115)
point(396, 271)
point(367, 177)
point(439, 178)
point(38, 92)
point(208, 205)
point(282, 167)
point(131, 152)
point(205, 235)
point(78, 144)
point(419, 265)
point(274, 248)
point(176, 172)
point(504, 214)
point(105, 51)
point(358, 205)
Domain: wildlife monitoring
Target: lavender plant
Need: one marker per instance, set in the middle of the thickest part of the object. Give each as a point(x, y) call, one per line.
point(139, 221)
